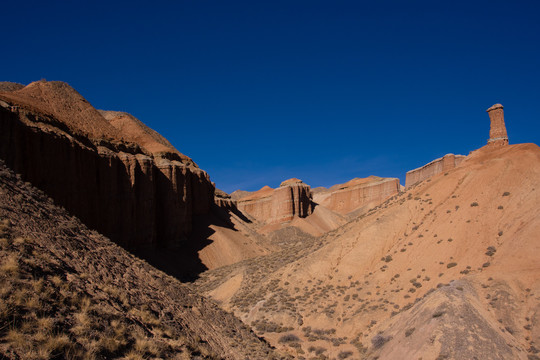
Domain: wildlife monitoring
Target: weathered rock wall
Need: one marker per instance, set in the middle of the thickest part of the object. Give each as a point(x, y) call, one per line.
point(128, 196)
point(497, 130)
point(437, 166)
point(292, 199)
point(348, 197)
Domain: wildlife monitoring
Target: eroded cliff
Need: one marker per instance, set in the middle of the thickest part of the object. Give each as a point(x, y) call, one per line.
point(437, 166)
point(292, 199)
point(354, 194)
point(118, 182)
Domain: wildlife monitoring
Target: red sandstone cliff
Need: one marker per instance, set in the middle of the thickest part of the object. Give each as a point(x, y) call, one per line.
point(348, 197)
point(292, 199)
point(437, 166)
point(118, 176)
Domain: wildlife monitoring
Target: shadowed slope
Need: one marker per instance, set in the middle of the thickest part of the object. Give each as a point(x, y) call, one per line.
point(66, 288)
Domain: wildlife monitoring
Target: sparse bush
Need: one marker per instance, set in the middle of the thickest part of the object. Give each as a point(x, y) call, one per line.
point(344, 354)
point(486, 264)
point(438, 313)
point(409, 332)
point(500, 207)
point(491, 251)
point(379, 340)
point(473, 204)
point(289, 338)
point(506, 193)
point(10, 265)
point(451, 265)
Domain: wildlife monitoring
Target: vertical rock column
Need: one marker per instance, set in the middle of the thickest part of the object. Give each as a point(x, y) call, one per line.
point(292, 199)
point(497, 131)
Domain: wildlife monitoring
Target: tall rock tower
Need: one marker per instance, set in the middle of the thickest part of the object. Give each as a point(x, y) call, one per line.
point(497, 131)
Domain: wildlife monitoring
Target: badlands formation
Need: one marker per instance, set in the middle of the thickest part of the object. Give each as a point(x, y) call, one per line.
point(443, 268)
point(110, 170)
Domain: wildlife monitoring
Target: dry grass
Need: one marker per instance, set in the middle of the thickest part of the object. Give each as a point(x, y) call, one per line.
point(43, 315)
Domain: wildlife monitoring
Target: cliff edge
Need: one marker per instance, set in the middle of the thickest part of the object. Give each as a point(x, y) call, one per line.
point(117, 175)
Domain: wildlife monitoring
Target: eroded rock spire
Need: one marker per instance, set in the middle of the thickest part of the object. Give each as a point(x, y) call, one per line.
point(497, 131)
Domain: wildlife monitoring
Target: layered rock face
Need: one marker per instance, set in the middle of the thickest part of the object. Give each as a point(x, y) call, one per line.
point(292, 199)
point(497, 131)
point(224, 200)
point(345, 198)
point(57, 141)
point(437, 166)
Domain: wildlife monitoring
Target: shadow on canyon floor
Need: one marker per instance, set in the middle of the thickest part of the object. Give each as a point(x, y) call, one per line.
point(182, 261)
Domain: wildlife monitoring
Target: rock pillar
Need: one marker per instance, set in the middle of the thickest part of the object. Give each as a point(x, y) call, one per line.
point(497, 131)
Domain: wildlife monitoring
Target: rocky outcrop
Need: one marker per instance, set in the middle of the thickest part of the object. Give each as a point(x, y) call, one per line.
point(10, 86)
point(224, 200)
point(57, 141)
point(497, 131)
point(134, 130)
point(348, 197)
point(437, 166)
point(292, 199)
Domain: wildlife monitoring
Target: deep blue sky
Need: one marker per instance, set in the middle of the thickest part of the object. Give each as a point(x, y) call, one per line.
point(260, 91)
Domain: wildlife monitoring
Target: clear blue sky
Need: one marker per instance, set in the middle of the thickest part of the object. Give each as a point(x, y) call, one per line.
point(260, 91)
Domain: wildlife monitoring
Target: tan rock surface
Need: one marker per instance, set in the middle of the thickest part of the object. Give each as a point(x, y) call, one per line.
point(134, 130)
point(437, 166)
point(357, 193)
point(10, 86)
point(497, 131)
point(292, 199)
point(60, 101)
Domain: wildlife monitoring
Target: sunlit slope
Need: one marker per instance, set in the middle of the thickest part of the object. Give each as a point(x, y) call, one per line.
point(478, 224)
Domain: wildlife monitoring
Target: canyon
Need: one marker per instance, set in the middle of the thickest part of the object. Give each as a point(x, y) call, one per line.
point(443, 267)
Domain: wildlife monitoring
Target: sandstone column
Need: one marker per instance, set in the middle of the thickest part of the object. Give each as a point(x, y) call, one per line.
point(497, 131)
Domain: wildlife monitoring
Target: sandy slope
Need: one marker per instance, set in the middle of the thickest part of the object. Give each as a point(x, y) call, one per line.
point(463, 244)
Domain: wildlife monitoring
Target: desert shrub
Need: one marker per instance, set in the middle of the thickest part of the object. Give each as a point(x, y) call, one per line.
point(344, 354)
point(289, 338)
point(486, 264)
point(491, 251)
point(438, 313)
point(473, 204)
point(451, 265)
point(379, 340)
point(409, 332)
point(506, 193)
